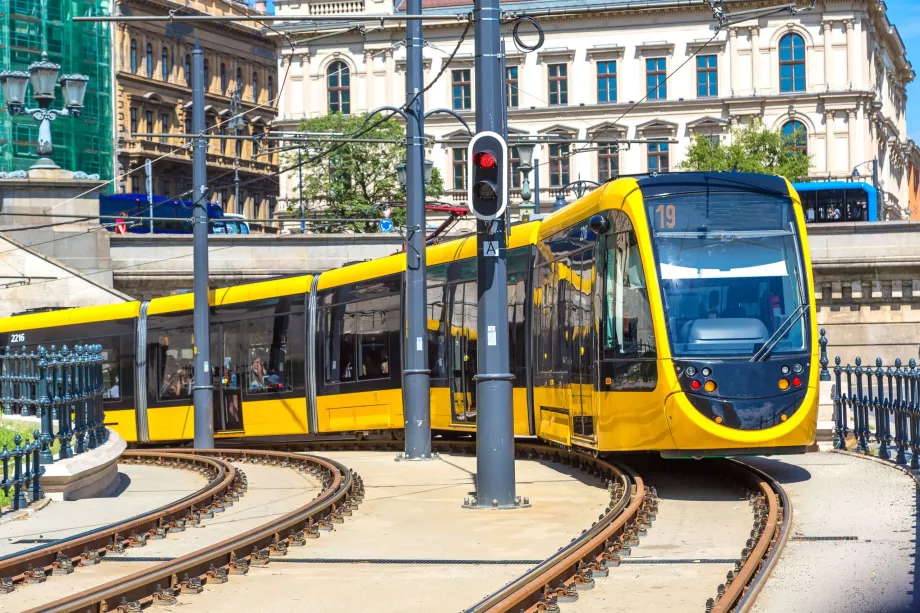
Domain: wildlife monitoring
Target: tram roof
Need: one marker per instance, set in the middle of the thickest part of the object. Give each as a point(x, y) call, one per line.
point(659, 185)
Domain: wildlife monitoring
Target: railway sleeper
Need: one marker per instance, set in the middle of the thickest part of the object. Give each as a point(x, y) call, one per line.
point(191, 585)
point(62, 565)
point(217, 575)
point(259, 557)
point(35, 575)
point(164, 597)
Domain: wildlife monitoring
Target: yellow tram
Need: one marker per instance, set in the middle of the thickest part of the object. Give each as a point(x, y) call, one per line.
point(667, 313)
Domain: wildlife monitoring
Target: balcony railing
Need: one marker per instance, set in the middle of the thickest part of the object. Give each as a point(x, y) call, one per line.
point(343, 7)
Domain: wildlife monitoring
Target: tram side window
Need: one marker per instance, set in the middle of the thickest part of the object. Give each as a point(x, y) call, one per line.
point(545, 310)
point(629, 337)
point(275, 358)
point(172, 362)
point(437, 298)
point(358, 339)
point(111, 383)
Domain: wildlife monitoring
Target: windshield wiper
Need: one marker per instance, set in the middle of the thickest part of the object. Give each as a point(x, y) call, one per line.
point(764, 352)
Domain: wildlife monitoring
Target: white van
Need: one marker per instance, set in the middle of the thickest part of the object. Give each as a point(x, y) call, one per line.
point(231, 223)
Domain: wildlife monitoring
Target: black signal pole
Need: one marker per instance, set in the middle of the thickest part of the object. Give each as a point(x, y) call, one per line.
point(494, 419)
point(202, 394)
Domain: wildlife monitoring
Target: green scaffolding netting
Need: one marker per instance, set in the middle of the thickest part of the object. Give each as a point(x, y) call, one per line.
point(27, 27)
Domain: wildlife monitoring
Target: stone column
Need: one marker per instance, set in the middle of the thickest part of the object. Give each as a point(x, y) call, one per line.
point(827, 26)
point(829, 140)
point(733, 59)
point(369, 79)
point(854, 61)
point(391, 69)
point(852, 138)
point(755, 59)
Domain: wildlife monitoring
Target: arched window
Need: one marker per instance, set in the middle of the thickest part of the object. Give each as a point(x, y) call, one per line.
point(149, 61)
point(134, 56)
point(239, 81)
point(188, 70)
point(223, 79)
point(207, 76)
point(271, 90)
point(796, 136)
point(255, 87)
point(165, 68)
point(791, 63)
point(339, 85)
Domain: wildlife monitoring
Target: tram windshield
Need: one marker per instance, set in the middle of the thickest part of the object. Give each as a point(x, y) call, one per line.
point(730, 271)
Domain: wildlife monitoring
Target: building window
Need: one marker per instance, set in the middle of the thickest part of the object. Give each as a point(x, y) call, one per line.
point(134, 56)
point(148, 115)
point(133, 121)
point(239, 81)
point(207, 76)
point(460, 168)
point(164, 64)
point(796, 136)
point(607, 81)
point(135, 185)
point(707, 76)
point(658, 157)
point(271, 91)
point(511, 79)
point(149, 61)
point(655, 76)
point(338, 82)
point(558, 84)
point(188, 70)
point(188, 122)
point(462, 90)
point(223, 141)
point(224, 81)
point(515, 168)
point(791, 63)
point(255, 87)
point(164, 127)
point(558, 165)
point(608, 162)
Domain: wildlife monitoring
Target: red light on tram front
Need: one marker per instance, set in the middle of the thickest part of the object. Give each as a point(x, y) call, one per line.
point(694, 385)
point(484, 159)
point(796, 381)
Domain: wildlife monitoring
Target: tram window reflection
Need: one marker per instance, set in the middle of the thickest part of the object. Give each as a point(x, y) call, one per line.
point(174, 364)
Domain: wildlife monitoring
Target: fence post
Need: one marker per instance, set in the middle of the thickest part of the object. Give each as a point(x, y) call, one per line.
point(93, 434)
point(75, 370)
point(65, 433)
point(861, 409)
point(19, 497)
point(6, 484)
point(5, 382)
point(840, 440)
point(822, 341)
point(100, 391)
point(44, 402)
point(914, 413)
point(37, 469)
point(882, 419)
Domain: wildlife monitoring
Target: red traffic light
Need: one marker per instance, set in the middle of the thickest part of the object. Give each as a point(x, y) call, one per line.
point(484, 159)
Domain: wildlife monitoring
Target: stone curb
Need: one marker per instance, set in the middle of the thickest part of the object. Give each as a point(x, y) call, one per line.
point(914, 475)
point(25, 513)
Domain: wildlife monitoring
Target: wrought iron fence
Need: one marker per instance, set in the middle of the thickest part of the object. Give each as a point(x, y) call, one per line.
point(872, 402)
point(64, 390)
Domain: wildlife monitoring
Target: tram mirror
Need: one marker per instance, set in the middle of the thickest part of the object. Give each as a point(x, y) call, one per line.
point(599, 225)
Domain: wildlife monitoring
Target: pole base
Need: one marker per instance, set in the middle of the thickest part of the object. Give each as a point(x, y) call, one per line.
point(44, 163)
point(471, 502)
point(402, 457)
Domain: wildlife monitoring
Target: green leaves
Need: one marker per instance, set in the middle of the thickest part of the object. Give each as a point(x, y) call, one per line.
point(349, 184)
point(752, 149)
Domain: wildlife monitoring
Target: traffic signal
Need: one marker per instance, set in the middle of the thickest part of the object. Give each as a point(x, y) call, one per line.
point(487, 158)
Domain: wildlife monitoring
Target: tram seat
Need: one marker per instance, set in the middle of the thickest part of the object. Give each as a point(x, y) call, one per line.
point(703, 335)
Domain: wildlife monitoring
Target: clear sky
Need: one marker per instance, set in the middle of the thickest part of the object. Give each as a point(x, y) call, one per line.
point(905, 15)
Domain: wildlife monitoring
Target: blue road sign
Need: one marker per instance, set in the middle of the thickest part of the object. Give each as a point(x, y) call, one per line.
point(386, 225)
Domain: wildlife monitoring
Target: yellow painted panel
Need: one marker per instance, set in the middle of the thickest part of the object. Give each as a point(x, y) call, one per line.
point(360, 411)
point(632, 421)
point(554, 426)
point(124, 422)
point(68, 317)
point(275, 417)
point(171, 423)
point(440, 408)
point(519, 402)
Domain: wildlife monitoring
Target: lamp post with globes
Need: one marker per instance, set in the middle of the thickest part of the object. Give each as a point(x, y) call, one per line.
point(43, 76)
point(525, 155)
point(401, 173)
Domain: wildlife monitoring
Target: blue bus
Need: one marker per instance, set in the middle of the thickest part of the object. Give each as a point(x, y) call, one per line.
point(170, 216)
point(831, 201)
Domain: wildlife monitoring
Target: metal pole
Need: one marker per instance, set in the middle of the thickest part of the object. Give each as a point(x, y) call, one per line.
point(417, 381)
point(495, 424)
point(303, 221)
point(536, 186)
point(504, 133)
point(148, 183)
point(878, 194)
point(201, 392)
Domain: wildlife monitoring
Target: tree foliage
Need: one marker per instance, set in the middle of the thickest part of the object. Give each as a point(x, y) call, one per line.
point(350, 184)
point(753, 148)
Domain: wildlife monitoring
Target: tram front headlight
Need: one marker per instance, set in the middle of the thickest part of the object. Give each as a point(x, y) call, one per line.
point(691, 371)
point(784, 369)
point(797, 369)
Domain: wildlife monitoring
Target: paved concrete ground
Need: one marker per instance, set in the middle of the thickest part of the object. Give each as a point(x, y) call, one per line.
point(142, 488)
point(835, 495)
point(412, 514)
point(272, 491)
point(701, 525)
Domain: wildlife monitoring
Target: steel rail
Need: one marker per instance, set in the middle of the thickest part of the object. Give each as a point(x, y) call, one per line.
point(342, 491)
point(767, 528)
point(64, 555)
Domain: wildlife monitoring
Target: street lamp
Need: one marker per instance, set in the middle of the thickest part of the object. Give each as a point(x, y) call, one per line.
point(525, 154)
point(43, 75)
point(401, 173)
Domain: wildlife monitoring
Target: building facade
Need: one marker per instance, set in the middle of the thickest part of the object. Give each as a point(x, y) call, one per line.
point(835, 75)
point(29, 27)
point(153, 85)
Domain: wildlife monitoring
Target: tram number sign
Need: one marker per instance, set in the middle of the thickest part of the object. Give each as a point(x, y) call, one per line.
point(18, 337)
point(666, 215)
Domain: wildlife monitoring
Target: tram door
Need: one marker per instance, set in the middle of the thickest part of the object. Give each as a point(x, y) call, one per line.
point(462, 351)
point(227, 376)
